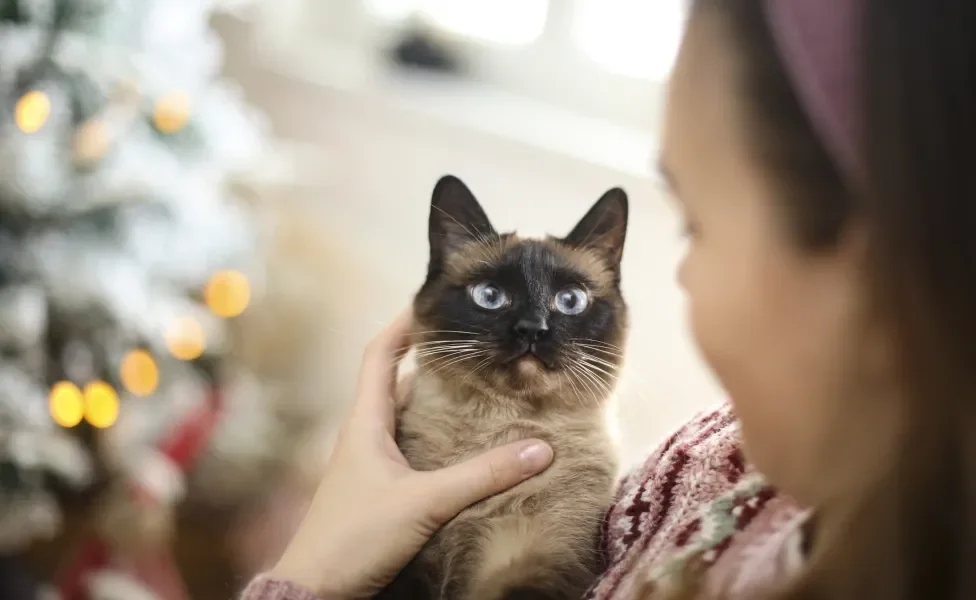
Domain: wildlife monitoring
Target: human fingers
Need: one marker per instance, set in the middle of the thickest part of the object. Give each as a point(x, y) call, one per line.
point(454, 488)
point(379, 366)
point(404, 388)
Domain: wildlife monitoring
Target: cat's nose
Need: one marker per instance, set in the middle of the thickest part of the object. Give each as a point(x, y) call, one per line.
point(531, 329)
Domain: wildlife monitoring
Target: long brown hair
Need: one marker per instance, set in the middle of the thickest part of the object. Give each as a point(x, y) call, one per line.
point(909, 533)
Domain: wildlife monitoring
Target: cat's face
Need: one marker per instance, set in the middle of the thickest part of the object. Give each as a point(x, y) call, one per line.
point(523, 317)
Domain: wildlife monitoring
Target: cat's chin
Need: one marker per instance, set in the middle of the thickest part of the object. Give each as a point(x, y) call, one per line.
point(529, 367)
point(525, 376)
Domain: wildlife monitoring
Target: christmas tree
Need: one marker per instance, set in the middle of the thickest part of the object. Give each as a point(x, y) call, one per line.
point(121, 250)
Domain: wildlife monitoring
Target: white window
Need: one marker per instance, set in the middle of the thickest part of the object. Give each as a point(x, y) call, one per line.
point(512, 22)
point(606, 59)
point(392, 10)
point(635, 38)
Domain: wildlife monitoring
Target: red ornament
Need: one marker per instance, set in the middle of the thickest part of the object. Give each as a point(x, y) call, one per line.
point(177, 453)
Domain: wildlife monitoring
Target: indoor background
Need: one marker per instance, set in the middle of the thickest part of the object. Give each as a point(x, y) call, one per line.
point(554, 102)
point(177, 355)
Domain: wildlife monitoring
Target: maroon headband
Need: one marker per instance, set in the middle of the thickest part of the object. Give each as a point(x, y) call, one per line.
point(819, 44)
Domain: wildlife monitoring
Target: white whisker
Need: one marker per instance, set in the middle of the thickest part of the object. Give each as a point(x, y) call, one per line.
point(434, 342)
point(484, 363)
point(457, 331)
point(571, 376)
point(600, 360)
point(458, 359)
point(583, 380)
point(438, 363)
point(595, 367)
point(599, 343)
point(599, 349)
point(599, 384)
point(437, 351)
point(435, 358)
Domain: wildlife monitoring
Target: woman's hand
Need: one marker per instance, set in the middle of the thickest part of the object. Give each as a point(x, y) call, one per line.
point(372, 513)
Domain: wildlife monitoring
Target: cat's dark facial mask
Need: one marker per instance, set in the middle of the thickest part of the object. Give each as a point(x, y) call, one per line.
point(522, 316)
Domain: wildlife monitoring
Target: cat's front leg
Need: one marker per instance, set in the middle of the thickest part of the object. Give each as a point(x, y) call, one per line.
point(412, 583)
point(461, 551)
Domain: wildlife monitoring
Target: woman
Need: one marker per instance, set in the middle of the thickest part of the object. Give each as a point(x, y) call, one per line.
point(822, 153)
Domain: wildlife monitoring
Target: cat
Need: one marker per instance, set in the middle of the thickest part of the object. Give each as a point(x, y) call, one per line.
point(516, 338)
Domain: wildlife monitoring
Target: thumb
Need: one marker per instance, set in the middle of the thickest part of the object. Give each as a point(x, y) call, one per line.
point(461, 485)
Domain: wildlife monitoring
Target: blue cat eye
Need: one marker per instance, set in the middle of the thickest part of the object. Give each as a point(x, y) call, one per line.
point(488, 295)
point(572, 300)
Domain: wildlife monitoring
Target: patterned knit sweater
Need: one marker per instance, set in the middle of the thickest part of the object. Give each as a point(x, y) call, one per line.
point(694, 496)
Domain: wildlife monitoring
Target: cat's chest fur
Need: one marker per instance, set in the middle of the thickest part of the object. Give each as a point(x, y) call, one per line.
point(443, 425)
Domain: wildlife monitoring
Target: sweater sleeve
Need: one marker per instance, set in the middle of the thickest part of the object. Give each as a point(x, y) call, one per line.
point(696, 495)
point(648, 493)
point(265, 587)
point(654, 502)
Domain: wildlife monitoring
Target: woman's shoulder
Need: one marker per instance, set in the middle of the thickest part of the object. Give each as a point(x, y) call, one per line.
point(706, 442)
point(698, 461)
point(693, 494)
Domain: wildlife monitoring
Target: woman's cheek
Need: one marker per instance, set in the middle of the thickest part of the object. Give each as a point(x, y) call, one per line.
point(721, 317)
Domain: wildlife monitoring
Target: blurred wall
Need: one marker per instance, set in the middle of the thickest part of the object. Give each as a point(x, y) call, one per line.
point(369, 157)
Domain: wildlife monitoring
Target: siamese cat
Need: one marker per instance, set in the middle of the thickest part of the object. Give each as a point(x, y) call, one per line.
point(516, 338)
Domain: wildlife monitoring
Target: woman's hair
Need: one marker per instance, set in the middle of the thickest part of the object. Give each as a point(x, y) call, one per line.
point(910, 532)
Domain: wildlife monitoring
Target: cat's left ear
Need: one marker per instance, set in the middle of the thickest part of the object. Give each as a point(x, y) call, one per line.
point(604, 227)
point(456, 219)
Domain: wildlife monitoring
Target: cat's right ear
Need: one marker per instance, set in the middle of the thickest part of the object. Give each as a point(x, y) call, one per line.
point(456, 219)
point(604, 228)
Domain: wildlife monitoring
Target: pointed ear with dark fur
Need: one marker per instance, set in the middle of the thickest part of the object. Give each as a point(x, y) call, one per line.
point(604, 227)
point(456, 219)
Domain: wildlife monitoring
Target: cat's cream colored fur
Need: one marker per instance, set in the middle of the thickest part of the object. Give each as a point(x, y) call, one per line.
point(545, 529)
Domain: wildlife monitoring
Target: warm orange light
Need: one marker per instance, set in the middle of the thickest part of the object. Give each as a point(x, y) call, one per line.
point(92, 141)
point(184, 339)
point(227, 293)
point(32, 111)
point(66, 404)
point(101, 404)
point(139, 373)
point(172, 112)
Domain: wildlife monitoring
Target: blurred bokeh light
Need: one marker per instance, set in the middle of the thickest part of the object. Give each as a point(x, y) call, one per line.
point(227, 293)
point(32, 111)
point(66, 403)
point(139, 373)
point(185, 338)
point(101, 404)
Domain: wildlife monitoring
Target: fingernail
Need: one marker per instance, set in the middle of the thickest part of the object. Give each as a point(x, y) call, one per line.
point(535, 458)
